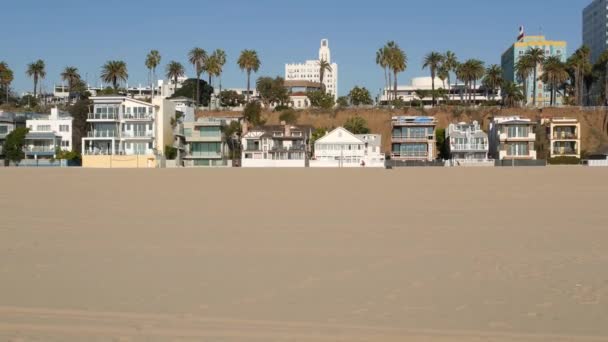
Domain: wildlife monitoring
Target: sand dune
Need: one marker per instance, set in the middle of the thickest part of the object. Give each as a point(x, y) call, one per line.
point(304, 255)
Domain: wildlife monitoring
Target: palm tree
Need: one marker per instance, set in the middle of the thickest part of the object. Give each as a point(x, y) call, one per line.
point(70, 75)
point(397, 61)
point(511, 94)
point(443, 74)
point(220, 56)
point(477, 72)
point(536, 57)
point(470, 71)
point(36, 71)
point(580, 66)
point(450, 62)
point(433, 61)
point(174, 70)
point(382, 61)
point(197, 57)
point(323, 67)
point(249, 61)
point(554, 74)
point(493, 79)
point(523, 69)
point(6, 77)
point(114, 72)
point(152, 62)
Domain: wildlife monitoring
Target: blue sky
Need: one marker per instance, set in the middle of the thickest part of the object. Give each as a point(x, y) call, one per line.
point(86, 33)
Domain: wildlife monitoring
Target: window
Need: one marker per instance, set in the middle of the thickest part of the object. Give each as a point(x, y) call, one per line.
point(43, 128)
point(3, 129)
point(518, 131)
point(188, 132)
point(64, 128)
point(65, 143)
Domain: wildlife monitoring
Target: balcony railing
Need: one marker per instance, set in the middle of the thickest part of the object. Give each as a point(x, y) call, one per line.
point(564, 135)
point(564, 151)
point(39, 149)
point(530, 137)
point(297, 148)
point(416, 137)
point(98, 116)
point(204, 154)
point(469, 147)
point(137, 117)
point(102, 134)
point(137, 135)
point(410, 154)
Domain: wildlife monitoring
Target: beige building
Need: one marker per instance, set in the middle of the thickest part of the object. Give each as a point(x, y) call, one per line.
point(413, 138)
point(565, 137)
point(512, 137)
point(127, 133)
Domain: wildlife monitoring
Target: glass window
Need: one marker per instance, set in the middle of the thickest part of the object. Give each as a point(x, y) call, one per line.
point(3, 129)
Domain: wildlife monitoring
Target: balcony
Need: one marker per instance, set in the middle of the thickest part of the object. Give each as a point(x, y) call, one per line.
point(413, 138)
point(529, 137)
point(137, 135)
point(40, 150)
point(565, 152)
point(138, 117)
point(412, 155)
point(209, 155)
point(297, 148)
point(565, 136)
point(102, 134)
point(103, 117)
point(468, 147)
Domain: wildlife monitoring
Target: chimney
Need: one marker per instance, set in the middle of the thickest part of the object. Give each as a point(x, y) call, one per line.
point(287, 128)
point(54, 113)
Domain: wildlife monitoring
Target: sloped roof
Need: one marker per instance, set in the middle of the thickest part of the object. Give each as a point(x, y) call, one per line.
point(340, 135)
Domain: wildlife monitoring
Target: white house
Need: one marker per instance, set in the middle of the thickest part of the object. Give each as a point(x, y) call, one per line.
point(341, 148)
point(310, 71)
point(122, 126)
point(275, 146)
point(47, 133)
point(468, 145)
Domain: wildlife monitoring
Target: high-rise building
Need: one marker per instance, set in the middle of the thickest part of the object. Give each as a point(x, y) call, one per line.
point(517, 50)
point(310, 71)
point(595, 28)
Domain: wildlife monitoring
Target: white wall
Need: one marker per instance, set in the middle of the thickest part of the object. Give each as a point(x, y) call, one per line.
point(263, 163)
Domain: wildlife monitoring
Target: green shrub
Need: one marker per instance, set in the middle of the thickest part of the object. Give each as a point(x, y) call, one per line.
point(564, 161)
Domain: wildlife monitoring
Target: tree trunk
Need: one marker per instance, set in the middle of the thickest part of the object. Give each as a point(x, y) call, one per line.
point(433, 89)
point(534, 89)
point(35, 85)
point(248, 83)
point(395, 80)
point(386, 82)
point(198, 90)
point(388, 89)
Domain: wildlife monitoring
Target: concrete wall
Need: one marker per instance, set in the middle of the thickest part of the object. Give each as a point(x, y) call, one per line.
point(128, 162)
point(272, 163)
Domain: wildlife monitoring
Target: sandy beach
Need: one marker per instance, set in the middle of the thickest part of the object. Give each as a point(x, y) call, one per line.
point(511, 254)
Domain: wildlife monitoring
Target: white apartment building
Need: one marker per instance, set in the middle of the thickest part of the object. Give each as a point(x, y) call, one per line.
point(309, 70)
point(410, 94)
point(341, 148)
point(468, 144)
point(564, 137)
point(275, 146)
point(512, 137)
point(47, 133)
point(122, 126)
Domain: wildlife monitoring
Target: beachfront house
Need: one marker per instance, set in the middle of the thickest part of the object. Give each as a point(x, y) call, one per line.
point(205, 143)
point(281, 145)
point(564, 137)
point(413, 138)
point(512, 138)
point(341, 148)
point(7, 125)
point(125, 132)
point(467, 144)
point(47, 134)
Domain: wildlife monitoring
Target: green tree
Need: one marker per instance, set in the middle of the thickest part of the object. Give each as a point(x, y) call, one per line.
point(343, 101)
point(319, 99)
point(153, 60)
point(493, 79)
point(170, 152)
point(512, 94)
point(174, 70)
point(6, 78)
point(36, 71)
point(28, 101)
point(198, 58)
point(356, 125)
point(360, 96)
point(383, 62)
point(433, 62)
point(470, 72)
point(450, 63)
point(555, 75)
point(442, 146)
point(253, 113)
point(114, 72)
point(316, 135)
point(536, 56)
point(79, 113)
point(220, 57)
point(233, 133)
point(189, 86)
point(71, 76)
point(523, 69)
point(249, 61)
point(272, 91)
point(579, 67)
point(13, 145)
point(397, 61)
point(230, 98)
point(324, 66)
point(289, 115)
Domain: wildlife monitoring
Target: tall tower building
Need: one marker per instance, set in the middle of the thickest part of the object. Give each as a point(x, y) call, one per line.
point(595, 28)
point(310, 71)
